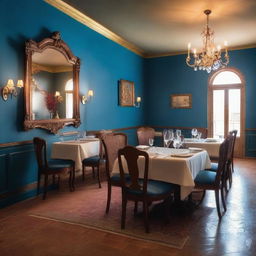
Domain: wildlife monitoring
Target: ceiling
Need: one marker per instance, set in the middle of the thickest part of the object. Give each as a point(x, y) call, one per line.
point(159, 27)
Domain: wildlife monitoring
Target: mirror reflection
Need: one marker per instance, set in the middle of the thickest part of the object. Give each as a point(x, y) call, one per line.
point(51, 86)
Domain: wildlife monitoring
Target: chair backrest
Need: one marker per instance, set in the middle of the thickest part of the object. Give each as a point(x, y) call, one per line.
point(233, 133)
point(112, 142)
point(130, 155)
point(40, 150)
point(223, 159)
point(144, 134)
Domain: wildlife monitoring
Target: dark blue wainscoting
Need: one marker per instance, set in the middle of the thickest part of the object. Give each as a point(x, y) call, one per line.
point(250, 143)
point(18, 173)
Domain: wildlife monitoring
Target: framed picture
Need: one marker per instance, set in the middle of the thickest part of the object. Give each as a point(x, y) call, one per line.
point(181, 100)
point(126, 93)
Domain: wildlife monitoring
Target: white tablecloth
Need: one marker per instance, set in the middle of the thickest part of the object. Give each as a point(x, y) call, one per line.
point(76, 150)
point(180, 171)
point(211, 147)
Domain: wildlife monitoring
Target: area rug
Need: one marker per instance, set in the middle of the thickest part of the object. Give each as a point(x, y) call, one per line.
point(86, 207)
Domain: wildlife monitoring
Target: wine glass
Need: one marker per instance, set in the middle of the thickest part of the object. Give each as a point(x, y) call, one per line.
point(151, 142)
point(166, 137)
point(199, 135)
point(177, 142)
point(178, 133)
point(194, 132)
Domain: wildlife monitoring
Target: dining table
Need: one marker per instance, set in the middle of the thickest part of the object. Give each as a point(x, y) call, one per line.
point(211, 145)
point(176, 166)
point(76, 150)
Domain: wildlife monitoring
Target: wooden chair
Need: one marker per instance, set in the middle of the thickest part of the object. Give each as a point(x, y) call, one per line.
point(144, 134)
point(234, 134)
point(143, 190)
point(209, 180)
point(112, 143)
point(52, 167)
point(230, 166)
point(95, 161)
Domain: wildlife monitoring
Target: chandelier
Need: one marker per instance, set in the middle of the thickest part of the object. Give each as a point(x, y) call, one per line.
point(210, 57)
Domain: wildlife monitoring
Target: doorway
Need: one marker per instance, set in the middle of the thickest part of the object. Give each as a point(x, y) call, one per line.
point(226, 106)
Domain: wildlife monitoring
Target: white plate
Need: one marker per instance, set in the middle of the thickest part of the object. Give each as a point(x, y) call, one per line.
point(211, 140)
point(143, 147)
point(195, 149)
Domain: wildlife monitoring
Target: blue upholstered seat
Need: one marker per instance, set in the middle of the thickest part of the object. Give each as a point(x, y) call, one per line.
point(116, 177)
point(154, 188)
point(91, 160)
point(205, 177)
point(214, 167)
point(60, 163)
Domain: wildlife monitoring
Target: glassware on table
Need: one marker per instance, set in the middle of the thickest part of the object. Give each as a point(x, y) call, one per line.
point(178, 133)
point(151, 142)
point(168, 137)
point(199, 135)
point(194, 132)
point(177, 142)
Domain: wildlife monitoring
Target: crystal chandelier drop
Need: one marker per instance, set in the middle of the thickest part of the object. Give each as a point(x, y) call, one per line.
point(210, 57)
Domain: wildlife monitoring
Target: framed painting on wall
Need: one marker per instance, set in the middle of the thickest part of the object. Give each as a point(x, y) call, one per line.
point(181, 100)
point(126, 93)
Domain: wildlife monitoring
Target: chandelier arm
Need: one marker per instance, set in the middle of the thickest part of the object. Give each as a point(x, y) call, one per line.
point(190, 65)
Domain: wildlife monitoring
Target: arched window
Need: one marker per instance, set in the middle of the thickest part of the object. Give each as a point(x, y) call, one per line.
point(226, 105)
point(69, 98)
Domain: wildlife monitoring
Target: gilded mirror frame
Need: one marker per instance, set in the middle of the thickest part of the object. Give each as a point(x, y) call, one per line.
point(53, 125)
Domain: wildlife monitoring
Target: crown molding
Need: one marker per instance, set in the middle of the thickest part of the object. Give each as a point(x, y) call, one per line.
point(241, 47)
point(94, 25)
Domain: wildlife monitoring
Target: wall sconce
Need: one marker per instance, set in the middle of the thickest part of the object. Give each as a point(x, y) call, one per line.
point(88, 97)
point(138, 101)
point(10, 88)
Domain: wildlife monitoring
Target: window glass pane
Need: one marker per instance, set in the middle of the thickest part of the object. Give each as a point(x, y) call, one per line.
point(227, 77)
point(234, 110)
point(218, 113)
point(69, 105)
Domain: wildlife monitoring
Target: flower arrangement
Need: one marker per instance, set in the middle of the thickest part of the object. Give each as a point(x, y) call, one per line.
point(51, 101)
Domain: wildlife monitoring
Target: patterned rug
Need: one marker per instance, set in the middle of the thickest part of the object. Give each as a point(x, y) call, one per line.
point(86, 207)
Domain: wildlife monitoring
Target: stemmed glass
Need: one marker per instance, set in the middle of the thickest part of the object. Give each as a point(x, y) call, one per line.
point(151, 142)
point(194, 132)
point(168, 137)
point(177, 141)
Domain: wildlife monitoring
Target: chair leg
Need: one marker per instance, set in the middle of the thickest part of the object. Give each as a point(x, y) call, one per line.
point(167, 210)
point(71, 179)
point(98, 174)
point(53, 179)
point(230, 176)
point(45, 186)
point(218, 202)
point(124, 204)
point(109, 197)
point(38, 183)
point(135, 207)
point(93, 172)
point(223, 199)
point(74, 176)
point(83, 172)
point(145, 211)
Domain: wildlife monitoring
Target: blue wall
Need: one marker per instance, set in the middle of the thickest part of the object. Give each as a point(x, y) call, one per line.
point(171, 75)
point(103, 63)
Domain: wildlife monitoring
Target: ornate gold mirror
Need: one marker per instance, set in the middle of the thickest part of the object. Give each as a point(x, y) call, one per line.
point(51, 85)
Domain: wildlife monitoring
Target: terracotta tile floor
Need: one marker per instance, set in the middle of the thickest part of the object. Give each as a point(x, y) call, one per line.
point(21, 234)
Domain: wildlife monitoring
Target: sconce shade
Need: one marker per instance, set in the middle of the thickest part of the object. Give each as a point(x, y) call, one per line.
point(138, 99)
point(90, 93)
point(10, 83)
point(57, 93)
point(20, 83)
